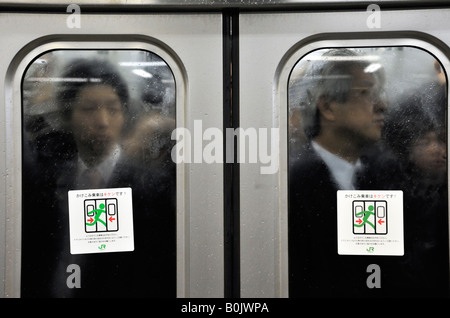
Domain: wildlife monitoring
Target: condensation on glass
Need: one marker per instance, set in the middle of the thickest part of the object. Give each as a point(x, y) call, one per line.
point(370, 119)
point(113, 110)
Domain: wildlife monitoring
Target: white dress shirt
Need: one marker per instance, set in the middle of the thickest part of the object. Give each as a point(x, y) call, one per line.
point(341, 170)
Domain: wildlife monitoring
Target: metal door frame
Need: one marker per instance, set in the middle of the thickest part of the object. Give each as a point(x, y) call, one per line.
point(264, 262)
point(191, 104)
point(230, 114)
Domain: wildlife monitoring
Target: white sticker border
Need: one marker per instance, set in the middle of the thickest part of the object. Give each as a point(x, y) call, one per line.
point(83, 239)
point(389, 242)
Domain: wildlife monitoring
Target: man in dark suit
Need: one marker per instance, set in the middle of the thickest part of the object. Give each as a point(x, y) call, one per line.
point(94, 108)
point(343, 115)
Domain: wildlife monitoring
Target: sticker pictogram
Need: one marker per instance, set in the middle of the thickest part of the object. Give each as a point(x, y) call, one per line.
point(101, 215)
point(370, 217)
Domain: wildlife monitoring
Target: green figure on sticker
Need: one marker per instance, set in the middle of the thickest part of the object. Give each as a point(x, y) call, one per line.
point(365, 216)
point(97, 212)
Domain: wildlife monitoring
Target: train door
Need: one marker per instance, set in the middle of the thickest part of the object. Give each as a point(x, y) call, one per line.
point(353, 103)
point(304, 198)
point(85, 89)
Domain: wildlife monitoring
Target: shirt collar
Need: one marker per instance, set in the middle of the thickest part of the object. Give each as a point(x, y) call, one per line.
point(342, 171)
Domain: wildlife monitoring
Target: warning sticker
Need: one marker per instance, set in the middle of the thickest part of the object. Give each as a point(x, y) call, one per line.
point(101, 220)
point(370, 222)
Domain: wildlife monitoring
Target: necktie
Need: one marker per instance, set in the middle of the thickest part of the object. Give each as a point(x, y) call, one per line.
point(91, 179)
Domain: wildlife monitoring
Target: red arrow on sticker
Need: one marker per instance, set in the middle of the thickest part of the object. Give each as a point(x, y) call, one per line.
point(91, 220)
point(380, 222)
point(359, 221)
point(111, 219)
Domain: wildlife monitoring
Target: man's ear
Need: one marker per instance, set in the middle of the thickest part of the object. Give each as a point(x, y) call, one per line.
point(326, 108)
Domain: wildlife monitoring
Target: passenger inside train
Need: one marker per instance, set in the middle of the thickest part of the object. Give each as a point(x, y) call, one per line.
point(385, 148)
point(88, 150)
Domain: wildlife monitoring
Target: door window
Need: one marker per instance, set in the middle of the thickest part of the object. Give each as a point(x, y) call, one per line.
point(371, 119)
point(98, 179)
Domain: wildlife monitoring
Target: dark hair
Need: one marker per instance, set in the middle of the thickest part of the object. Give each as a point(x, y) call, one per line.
point(82, 72)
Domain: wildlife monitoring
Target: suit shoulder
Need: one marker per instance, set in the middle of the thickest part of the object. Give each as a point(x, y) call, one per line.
point(308, 162)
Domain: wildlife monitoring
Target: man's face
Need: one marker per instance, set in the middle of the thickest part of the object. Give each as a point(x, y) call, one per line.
point(97, 119)
point(361, 117)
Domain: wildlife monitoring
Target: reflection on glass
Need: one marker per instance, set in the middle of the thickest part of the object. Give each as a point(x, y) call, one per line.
point(369, 119)
point(96, 120)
